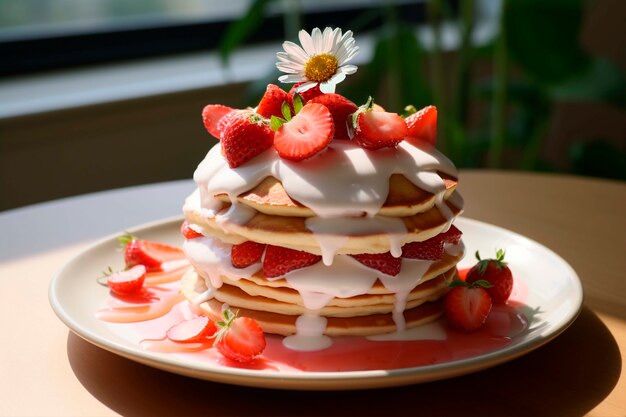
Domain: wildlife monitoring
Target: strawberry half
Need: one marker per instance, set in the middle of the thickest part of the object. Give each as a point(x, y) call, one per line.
point(272, 101)
point(497, 273)
point(127, 282)
point(377, 129)
point(340, 109)
point(384, 262)
point(278, 260)
point(431, 249)
point(467, 305)
point(422, 126)
point(246, 254)
point(194, 330)
point(245, 136)
point(305, 134)
point(211, 116)
point(188, 232)
point(149, 254)
point(240, 339)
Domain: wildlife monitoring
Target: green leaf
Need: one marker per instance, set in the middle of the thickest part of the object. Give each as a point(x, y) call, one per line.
point(286, 110)
point(241, 29)
point(542, 38)
point(276, 122)
point(297, 103)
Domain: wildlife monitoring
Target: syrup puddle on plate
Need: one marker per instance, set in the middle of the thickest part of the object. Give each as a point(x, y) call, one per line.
point(149, 315)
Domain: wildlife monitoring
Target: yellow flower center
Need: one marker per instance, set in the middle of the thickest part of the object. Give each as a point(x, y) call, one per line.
point(320, 67)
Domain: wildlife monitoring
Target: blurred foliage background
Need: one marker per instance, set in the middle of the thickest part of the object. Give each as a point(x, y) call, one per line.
point(499, 98)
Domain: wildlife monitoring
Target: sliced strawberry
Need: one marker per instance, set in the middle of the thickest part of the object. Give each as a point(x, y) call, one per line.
point(278, 260)
point(467, 305)
point(211, 116)
point(194, 330)
point(188, 232)
point(127, 282)
point(240, 339)
point(306, 95)
point(272, 101)
point(431, 249)
point(377, 129)
point(341, 109)
point(497, 273)
point(245, 136)
point(422, 126)
point(384, 262)
point(150, 254)
point(306, 134)
point(246, 254)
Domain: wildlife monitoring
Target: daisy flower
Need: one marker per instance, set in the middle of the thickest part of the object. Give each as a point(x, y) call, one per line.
point(320, 61)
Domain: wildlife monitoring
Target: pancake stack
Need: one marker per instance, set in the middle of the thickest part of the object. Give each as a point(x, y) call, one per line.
point(377, 224)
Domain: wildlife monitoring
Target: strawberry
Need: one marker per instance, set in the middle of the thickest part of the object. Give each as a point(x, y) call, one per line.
point(239, 338)
point(384, 262)
point(431, 249)
point(306, 95)
point(278, 260)
point(497, 273)
point(272, 101)
point(245, 136)
point(340, 108)
point(377, 129)
point(211, 116)
point(305, 134)
point(422, 126)
point(188, 232)
point(127, 282)
point(467, 305)
point(150, 254)
point(194, 330)
point(246, 254)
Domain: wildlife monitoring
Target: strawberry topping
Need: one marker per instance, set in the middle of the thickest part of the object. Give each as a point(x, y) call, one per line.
point(245, 136)
point(378, 129)
point(246, 254)
point(497, 273)
point(272, 101)
point(306, 95)
point(306, 134)
point(240, 339)
point(279, 260)
point(431, 249)
point(127, 282)
point(422, 126)
point(150, 254)
point(384, 262)
point(188, 232)
point(212, 114)
point(467, 305)
point(194, 330)
point(340, 109)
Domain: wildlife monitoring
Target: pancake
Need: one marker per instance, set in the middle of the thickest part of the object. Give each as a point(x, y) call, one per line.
point(193, 287)
point(404, 198)
point(293, 233)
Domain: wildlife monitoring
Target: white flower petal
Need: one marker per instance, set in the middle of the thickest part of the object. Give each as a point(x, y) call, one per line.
point(288, 68)
point(291, 78)
point(316, 35)
point(305, 87)
point(328, 40)
point(306, 42)
point(337, 78)
point(296, 52)
point(327, 87)
point(348, 69)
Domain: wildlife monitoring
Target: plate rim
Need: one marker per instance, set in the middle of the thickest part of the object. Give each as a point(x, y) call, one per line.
point(317, 380)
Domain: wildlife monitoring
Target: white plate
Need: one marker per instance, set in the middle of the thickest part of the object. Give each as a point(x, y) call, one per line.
point(554, 292)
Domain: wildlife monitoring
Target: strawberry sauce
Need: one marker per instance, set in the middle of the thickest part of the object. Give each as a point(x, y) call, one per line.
point(145, 319)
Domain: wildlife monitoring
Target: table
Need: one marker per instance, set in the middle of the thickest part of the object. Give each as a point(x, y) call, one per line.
point(48, 371)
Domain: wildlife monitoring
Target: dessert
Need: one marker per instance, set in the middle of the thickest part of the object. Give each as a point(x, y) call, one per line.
point(317, 217)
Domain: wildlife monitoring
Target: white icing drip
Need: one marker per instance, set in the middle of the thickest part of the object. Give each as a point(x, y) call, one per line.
point(309, 334)
point(345, 180)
